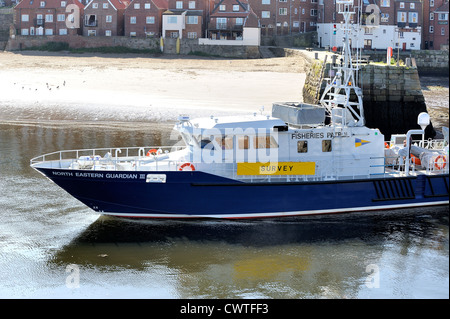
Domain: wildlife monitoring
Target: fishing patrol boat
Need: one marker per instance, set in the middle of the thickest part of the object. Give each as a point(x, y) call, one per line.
point(303, 159)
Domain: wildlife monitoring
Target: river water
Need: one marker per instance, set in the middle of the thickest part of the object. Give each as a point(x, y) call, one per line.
point(52, 246)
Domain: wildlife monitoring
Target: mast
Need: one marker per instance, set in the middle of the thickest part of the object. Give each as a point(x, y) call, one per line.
point(337, 93)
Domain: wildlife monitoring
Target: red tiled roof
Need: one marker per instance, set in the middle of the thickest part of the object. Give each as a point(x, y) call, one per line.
point(161, 4)
point(120, 4)
point(48, 4)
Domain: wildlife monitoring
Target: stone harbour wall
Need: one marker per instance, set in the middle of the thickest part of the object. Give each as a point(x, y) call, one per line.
point(392, 96)
point(187, 46)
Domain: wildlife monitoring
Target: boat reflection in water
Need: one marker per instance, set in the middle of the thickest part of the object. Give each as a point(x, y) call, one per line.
point(301, 257)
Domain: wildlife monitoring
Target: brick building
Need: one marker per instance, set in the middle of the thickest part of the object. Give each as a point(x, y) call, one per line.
point(143, 18)
point(104, 17)
point(283, 17)
point(435, 24)
point(48, 17)
point(185, 19)
point(228, 19)
point(384, 23)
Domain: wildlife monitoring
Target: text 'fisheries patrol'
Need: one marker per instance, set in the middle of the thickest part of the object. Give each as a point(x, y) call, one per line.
point(311, 135)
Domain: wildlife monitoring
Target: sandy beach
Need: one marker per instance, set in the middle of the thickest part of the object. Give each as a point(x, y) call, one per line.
point(39, 86)
point(45, 86)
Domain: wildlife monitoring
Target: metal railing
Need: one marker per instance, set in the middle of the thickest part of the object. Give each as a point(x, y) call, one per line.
point(157, 159)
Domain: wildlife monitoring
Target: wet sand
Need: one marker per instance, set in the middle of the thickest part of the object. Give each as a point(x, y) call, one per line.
point(46, 86)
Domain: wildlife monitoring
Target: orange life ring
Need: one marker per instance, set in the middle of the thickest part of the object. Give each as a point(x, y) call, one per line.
point(440, 162)
point(153, 151)
point(386, 145)
point(415, 160)
point(187, 165)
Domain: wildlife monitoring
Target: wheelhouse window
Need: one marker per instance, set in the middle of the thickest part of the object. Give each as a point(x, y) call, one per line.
point(302, 146)
point(326, 145)
point(225, 142)
point(243, 142)
point(265, 141)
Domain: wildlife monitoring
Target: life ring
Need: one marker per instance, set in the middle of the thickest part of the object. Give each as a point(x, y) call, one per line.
point(153, 151)
point(440, 162)
point(386, 145)
point(189, 166)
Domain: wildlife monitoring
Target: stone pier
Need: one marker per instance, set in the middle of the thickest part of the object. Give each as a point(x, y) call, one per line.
point(392, 95)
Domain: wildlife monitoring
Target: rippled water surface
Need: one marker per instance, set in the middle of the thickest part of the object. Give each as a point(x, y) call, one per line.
point(52, 246)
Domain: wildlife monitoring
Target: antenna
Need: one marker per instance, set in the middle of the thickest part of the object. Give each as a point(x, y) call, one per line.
point(337, 95)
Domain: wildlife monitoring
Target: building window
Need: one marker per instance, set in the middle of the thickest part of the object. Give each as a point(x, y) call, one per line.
point(179, 4)
point(385, 3)
point(92, 33)
point(221, 23)
point(172, 20)
point(108, 33)
point(94, 6)
point(412, 5)
point(431, 29)
point(191, 5)
point(132, 20)
point(108, 18)
point(49, 18)
point(192, 20)
point(431, 16)
point(443, 16)
point(402, 5)
point(431, 3)
point(150, 20)
point(442, 31)
point(63, 4)
point(132, 34)
point(265, 14)
point(25, 18)
point(265, 1)
point(137, 6)
point(239, 21)
point(283, 11)
point(48, 31)
point(174, 35)
point(146, 5)
point(42, 4)
point(401, 16)
point(105, 6)
point(222, 7)
point(24, 32)
point(413, 17)
point(235, 7)
point(62, 31)
point(61, 17)
point(192, 35)
point(313, 12)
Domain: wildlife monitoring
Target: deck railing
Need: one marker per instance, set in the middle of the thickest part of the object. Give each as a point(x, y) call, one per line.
point(157, 159)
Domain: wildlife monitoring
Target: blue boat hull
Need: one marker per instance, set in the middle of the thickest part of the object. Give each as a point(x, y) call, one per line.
point(197, 194)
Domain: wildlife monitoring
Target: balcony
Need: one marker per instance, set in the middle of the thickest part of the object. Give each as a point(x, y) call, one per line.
point(90, 23)
point(224, 27)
